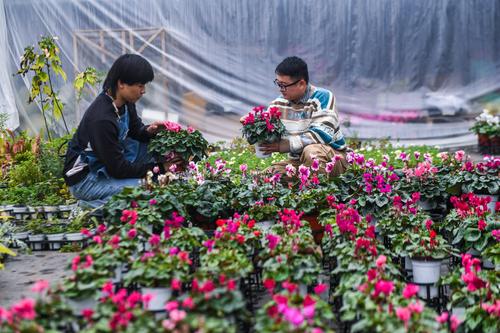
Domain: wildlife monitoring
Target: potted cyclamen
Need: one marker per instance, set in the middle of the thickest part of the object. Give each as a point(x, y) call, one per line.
point(159, 272)
point(427, 250)
point(482, 179)
point(471, 223)
point(36, 236)
point(261, 126)
point(290, 311)
point(188, 143)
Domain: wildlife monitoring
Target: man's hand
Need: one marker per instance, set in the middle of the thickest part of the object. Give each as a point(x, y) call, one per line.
point(282, 146)
point(155, 127)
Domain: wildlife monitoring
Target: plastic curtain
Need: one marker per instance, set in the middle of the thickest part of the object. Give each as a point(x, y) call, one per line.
point(404, 69)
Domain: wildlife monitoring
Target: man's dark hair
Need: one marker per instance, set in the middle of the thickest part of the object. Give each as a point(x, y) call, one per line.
point(129, 69)
point(294, 67)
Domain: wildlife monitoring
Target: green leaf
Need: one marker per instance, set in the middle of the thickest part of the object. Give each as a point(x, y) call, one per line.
point(472, 235)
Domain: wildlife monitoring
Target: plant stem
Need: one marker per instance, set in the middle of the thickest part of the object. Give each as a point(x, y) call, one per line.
point(44, 117)
point(52, 98)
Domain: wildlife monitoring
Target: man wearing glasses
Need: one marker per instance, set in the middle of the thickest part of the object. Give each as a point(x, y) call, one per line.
point(311, 120)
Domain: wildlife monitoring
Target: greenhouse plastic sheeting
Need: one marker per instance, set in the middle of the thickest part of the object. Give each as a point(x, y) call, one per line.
point(412, 70)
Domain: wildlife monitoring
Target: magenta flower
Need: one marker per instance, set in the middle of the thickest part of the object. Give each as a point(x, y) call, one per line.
point(132, 233)
point(381, 260)
point(383, 287)
point(320, 288)
point(442, 318)
point(25, 309)
point(403, 314)
point(273, 241)
point(410, 290)
point(156, 169)
point(315, 165)
point(154, 240)
point(243, 168)
point(172, 305)
point(40, 286)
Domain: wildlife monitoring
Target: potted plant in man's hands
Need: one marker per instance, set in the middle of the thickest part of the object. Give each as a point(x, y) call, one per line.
point(263, 126)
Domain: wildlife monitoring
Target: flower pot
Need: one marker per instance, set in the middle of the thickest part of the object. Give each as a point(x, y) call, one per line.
point(160, 297)
point(23, 235)
point(426, 272)
point(484, 143)
point(65, 211)
point(55, 241)
point(408, 266)
point(426, 205)
point(317, 229)
point(488, 264)
point(79, 304)
point(491, 205)
point(20, 212)
point(75, 237)
point(36, 240)
point(118, 274)
point(459, 312)
point(50, 211)
point(265, 225)
point(259, 153)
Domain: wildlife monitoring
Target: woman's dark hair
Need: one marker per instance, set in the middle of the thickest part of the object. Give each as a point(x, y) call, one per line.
point(129, 69)
point(294, 67)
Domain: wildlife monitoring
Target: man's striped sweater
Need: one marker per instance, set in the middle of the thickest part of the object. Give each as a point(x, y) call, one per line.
point(312, 119)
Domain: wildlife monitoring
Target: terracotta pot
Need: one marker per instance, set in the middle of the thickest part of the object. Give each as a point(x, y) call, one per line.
point(484, 143)
point(317, 229)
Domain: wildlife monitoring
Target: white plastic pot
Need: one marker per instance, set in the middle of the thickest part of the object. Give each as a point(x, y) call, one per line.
point(55, 241)
point(20, 211)
point(74, 237)
point(160, 297)
point(50, 211)
point(36, 238)
point(78, 305)
point(426, 271)
point(259, 153)
point(408, 266)
point(264, 225)
point(491, 205)
point(426, 205)
point(21, 235)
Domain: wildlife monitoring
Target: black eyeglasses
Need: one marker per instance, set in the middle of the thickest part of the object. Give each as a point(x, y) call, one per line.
point(282, 86)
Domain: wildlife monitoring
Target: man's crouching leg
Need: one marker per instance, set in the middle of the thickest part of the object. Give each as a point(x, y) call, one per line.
point(324, 154)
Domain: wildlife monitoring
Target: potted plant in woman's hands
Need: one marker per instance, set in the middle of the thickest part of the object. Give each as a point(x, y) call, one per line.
point(188, 143)
point(261, 126)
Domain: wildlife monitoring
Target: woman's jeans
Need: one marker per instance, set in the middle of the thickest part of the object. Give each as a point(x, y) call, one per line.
point(97, 188)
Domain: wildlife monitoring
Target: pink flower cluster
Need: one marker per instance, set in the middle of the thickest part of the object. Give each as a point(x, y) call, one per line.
point(408, 207)
point(469, 204)
point(286, 308)
point(471, 267)
point(23, 310)
point(123, 306)
point(129, 216)
point(171, 126)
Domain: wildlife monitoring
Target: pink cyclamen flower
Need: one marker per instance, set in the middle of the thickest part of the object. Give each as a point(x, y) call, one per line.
point(156, 169)
point(87, 314)
point(403, 314)
point(188, 303)
point(97, 239)
point(177, 315)
point(273, 241)
point(40, 286)
point(416, 307)
point(114, 241)
point(132, 233)
point(315, 165)
point(384, 287)
point(410, 290)
point(173, 168)
point(459, 155)
point(153, 202)
point(243, 168)
point(172, 305)
point(154, 240)
point(290, 170)
point(25, 309)
point(442, 318)
point(329, 167)
point(381, 260)
point(176, 284)
point(190, 129)
point(496, 234)
point(320, 288)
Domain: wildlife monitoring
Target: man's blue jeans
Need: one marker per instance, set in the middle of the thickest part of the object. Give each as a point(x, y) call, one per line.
point(96, 189)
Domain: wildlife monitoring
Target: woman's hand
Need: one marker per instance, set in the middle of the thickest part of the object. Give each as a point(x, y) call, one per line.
point(155, 127)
